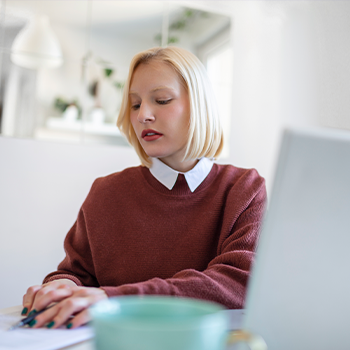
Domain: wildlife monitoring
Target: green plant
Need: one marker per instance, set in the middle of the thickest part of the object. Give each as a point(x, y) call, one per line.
point(61, 104)
point(186, 17)
point(108, 72)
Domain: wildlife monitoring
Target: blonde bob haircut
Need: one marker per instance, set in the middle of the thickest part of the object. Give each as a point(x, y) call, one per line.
point(205, 135)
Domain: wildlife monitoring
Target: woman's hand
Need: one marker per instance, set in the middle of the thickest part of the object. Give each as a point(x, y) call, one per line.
point(72, 303)
point(36, 295)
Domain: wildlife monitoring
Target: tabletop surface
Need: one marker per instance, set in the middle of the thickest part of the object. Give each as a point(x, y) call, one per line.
point(236, 317)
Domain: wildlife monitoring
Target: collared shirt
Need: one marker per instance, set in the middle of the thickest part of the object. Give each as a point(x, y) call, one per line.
point(168, 176)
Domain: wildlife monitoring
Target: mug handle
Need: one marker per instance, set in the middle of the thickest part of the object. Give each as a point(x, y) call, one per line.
point(254, 341)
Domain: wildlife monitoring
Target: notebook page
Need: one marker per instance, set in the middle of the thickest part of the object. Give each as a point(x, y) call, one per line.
point(37, 339)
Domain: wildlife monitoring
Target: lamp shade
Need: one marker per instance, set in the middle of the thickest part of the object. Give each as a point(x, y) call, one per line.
point(36, 46)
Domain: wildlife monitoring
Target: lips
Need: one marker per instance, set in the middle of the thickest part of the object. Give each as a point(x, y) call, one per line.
point(150, 135)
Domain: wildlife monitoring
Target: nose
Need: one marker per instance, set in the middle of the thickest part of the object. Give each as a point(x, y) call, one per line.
point(145, 114)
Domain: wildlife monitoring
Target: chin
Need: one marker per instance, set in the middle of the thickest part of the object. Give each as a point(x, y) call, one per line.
point(155, 153)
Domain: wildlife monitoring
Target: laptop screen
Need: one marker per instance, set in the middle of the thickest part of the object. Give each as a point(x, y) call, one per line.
point(298, 295)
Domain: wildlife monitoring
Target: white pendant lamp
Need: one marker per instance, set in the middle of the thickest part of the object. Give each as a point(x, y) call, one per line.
point(36, 46)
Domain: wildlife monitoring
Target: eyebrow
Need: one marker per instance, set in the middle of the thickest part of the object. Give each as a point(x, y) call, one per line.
point(153, 90)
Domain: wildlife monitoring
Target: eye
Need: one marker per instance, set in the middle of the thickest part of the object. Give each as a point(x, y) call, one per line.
point(135, 106)
point(163, 102)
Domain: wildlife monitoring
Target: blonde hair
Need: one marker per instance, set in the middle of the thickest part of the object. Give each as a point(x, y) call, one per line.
point(205, 135)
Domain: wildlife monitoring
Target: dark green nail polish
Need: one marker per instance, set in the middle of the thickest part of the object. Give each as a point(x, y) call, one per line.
point(24, 311)
point(69, 325)
point(32, 312)
point(32, 323)
point(51, 324)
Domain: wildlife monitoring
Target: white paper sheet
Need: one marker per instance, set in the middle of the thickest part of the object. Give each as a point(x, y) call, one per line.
point(37, 339)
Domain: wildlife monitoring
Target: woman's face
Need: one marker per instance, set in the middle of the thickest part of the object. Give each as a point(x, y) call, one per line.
point(160, 113)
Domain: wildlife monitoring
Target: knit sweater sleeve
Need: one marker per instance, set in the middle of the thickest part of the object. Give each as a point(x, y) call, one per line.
point(78, 264)
point(226, 276)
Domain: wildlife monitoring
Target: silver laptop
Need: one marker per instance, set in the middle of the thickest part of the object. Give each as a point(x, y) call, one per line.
point(299, 293)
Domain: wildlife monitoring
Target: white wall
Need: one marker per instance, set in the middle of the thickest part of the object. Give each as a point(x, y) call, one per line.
point(42, 186)
point(291, 68)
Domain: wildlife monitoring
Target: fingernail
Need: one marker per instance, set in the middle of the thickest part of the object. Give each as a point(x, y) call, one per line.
point(51, 324)
point(24, 311)
point(32, 323)
point(32, 312)
point(69, 325)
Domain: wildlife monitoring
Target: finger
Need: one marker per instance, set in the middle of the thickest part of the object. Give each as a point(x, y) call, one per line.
point(67, 308)
point(31, 295)
point(93, 295)
point(45, 318)
point(28, 298)
point(78, 320)
point(46, 296)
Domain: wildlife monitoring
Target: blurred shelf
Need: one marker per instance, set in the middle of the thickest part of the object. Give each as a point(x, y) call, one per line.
point(89, 127)
point(75, 131)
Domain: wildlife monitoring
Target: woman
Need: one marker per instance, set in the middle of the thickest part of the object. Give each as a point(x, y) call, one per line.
point(179, 224)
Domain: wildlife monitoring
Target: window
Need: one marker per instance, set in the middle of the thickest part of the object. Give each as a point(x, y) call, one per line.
point(217, 54)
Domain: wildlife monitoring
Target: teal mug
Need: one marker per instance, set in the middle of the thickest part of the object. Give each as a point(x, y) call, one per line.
point(163, 323)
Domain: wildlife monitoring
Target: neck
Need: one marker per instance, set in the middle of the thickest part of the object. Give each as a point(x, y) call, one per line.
point(181, 167)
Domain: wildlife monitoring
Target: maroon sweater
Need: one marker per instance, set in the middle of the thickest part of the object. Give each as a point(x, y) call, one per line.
point(134, 236)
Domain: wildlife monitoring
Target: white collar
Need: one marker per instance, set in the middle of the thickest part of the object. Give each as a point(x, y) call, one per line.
point(168, 176)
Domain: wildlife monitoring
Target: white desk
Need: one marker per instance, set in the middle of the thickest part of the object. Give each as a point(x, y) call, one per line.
point(235, 322)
